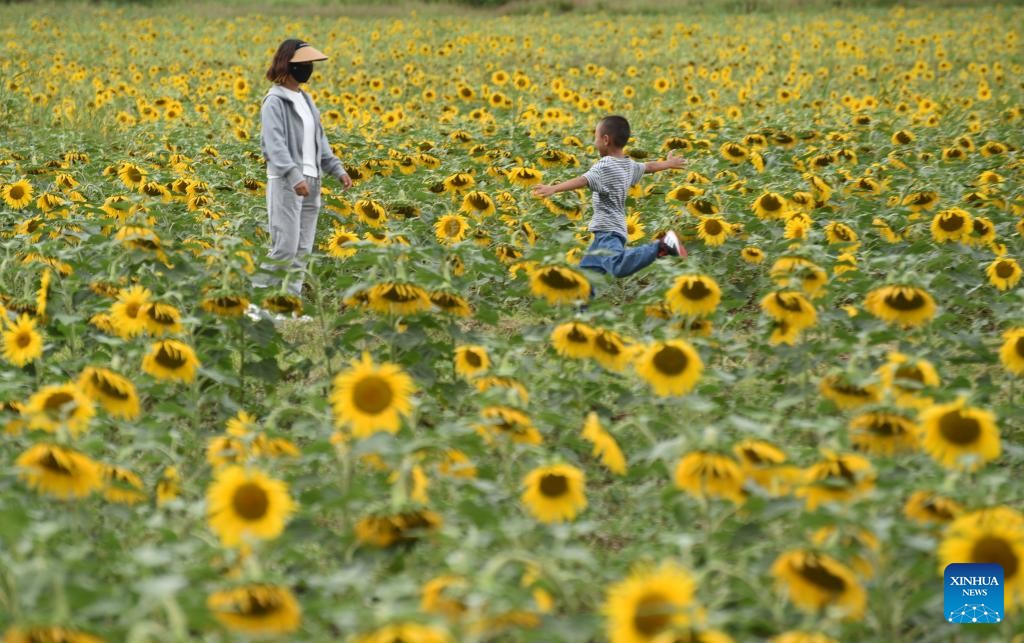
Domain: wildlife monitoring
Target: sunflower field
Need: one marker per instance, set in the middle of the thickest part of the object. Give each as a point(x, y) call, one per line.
point(784, 437)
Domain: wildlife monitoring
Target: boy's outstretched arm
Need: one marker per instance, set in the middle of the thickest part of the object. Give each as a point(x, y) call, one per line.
point(671, 163)
point(545, 191)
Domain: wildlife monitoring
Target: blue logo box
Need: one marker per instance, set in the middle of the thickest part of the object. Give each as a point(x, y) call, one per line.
point(974, 593)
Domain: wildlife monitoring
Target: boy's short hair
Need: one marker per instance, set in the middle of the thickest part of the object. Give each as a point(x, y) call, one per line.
point(616, 128)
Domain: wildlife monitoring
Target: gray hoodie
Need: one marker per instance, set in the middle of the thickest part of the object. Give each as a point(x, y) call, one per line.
point(281, 140)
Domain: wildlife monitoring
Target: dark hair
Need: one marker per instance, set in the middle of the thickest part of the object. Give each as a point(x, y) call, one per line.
point(279, 67)
point(617, 129)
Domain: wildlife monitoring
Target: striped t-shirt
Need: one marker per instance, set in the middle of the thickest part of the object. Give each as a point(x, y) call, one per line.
point(609, 179)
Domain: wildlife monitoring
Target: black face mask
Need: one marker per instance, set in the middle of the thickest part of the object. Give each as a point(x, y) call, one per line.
point(300, 71)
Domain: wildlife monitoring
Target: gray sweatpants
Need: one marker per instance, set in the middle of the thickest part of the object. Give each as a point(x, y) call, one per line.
point(292, 222)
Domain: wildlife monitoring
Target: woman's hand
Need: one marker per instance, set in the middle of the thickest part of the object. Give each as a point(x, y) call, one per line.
point(346, 180)
point(301, 188)
point(544, 191)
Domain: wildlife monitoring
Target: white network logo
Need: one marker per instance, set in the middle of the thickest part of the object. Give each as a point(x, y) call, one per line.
point(974, 613)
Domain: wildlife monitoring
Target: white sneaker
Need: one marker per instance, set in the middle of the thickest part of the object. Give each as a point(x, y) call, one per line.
point(672, 241)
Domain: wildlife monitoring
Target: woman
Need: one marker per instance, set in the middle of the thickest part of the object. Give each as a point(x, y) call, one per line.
point(298, 155)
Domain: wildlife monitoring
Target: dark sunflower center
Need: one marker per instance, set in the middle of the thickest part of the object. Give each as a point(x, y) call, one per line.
point(554, 485)
point(479, 202)
point(53, 465)
point(452, 227)
point(653, 614)
point(695, 290)
point(558, 280)
point(991, 549)
point(901, 301)
point(56, 401)
point(17, 192)
point(23, 340)
point(259, 606)
point(704, 207)
point(958, 429)
point(712, 227)
point(1004, 270)
point(132, 309)
point(910, 373)
point(942, 512)
point(751, 455)
point(446, 301)
point(170, 358)
point(841, 232)
point(250, 501)
point(473, 359)
point(228, 302)
point(108, 388)
point(788, 302)
point(951, 222)
point(815, 573)
point(577, 336)
point(902, 137)
point(850, 390)
point(400, 295)
point(372, 394)
point(160, 317)
point(1019, 346)
point(671, 360)
point(885, 428)
point(607, 345)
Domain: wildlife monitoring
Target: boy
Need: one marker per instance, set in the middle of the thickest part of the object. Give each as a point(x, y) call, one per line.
point(609, 179)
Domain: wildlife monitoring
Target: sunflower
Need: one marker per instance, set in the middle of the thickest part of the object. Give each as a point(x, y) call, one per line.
point(115, 393)
point(246, 504)
point(451, 303)
point(127, 311)
point(486, 383)
point(398, 299)
point(161, 319)
point(903, 137)
point(256, 609)
point(505, 420)
point(1012, 352)
point(683, 193)
point(925, 507)
point(558, 284)
point(451, 228)
point(790, 271)
point(883, 433)
point(905, 378)
point(478, 203)
point(459, 182)
point(919, 201)
point(904, 305)
point(847, 395)
point(791, 308)
point(994, 535)
point(701, 208)
point(22, 342)
point(434, 598)
point(133, 176)
point(752, 255)
point(404, 528)
point(169, 359)
point(959, 436)
point(634, 228)
point(816, 582)
point(406, 633)
point(48, 634)
point(693, 295)
point(524, 176)
point(836, 478)
point(605, 446)
point(340, 243)
point(671, 367)
point(121, 486)
point(575, 339)
point(1004, 273)
point(58, 471)
point(17, 195)
point(169, 486)
point(283, 304)
point(713, 231)
point(226, 306)
point(650, 604)
point(372, 213)
point(470, 361)
point(734, 152)
point(554, 493)
point(369, 398)
point(60, 406)
point(770, 205)
point(710, 475)
point(951, 225)
point(610, 350)
point(763, 463)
